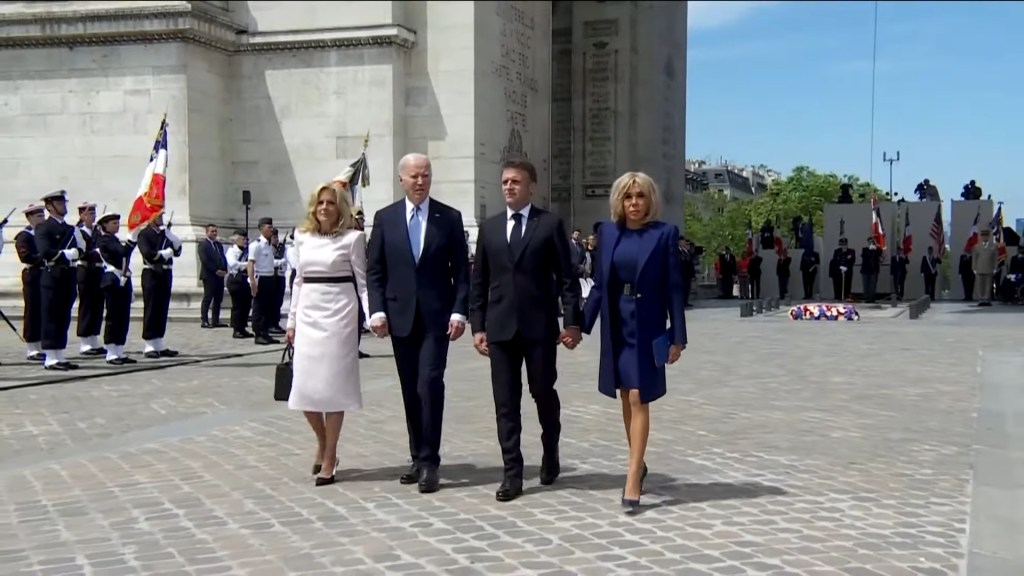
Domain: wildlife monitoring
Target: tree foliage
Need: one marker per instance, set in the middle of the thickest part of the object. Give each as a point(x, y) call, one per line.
point(713, 221)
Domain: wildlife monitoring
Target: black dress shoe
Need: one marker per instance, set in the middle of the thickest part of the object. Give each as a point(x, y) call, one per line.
point(58, 367)
point(322, 481)
point(509, 490)
point(36, 357)
point(116, 362)
point(68, 365)
point(168, 353)
point(94, 352)
point(550, 468)
point(152, 355)
point(410, 477)
point(429, 480)
point(206, 325)
point(219, 324)
point(276, 330)
point(265, 340)
point(127, 360)
point(241, 335)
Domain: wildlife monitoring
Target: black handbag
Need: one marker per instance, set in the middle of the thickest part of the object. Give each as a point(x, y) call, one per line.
point(283, 375)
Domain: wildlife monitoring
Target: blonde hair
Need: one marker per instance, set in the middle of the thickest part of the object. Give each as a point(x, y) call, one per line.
point(624, 184)
point(344, 204)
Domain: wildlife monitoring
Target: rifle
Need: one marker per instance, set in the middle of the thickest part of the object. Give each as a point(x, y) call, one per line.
point(7, 218)
point(9, 323)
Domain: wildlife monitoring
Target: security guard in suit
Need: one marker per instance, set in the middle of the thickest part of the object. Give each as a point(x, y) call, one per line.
point(60, 246)
point(28, 254)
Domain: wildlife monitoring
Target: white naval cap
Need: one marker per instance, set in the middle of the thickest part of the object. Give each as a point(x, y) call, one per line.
point(86, 206)
point(32, 209)
point(107, 216)
point(55, 195)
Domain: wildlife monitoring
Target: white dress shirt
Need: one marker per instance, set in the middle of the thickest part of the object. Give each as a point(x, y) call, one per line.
point(234, 259)
point(510, 223)
point(261, 254)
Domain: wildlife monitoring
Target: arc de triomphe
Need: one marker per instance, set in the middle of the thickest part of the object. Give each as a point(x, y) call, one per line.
point(276, 97)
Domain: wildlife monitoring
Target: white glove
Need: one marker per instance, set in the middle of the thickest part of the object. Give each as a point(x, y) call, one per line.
point(279, 262)
point(843, 268)
point(166, 253)
point(71, 254)
point(79, 239)
point(174, 240)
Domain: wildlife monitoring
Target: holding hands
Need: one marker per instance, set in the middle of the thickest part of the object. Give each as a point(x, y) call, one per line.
point(570, 337)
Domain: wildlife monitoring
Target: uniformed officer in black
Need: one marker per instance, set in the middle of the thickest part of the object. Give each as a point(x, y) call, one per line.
point(90, 297)
point(158, 247)
point(840, 270)
point(60, 246)
point(116, 285)
point(262, 284)
point(28, 254)
point(899, 266)
point(809, 262)
point(238, 284)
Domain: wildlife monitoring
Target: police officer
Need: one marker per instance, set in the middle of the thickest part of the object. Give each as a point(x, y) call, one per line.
point(238, 284)
point(116, 286)
point(260, 268)
point(840, 269)
point(90, 296)
point(60, 245)
point(158, 247)
point(28, 254)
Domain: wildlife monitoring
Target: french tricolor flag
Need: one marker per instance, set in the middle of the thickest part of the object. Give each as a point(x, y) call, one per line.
point(149, 202)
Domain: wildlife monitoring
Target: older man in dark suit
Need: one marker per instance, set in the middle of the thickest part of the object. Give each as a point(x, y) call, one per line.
point(418, 282)
point(523, 269)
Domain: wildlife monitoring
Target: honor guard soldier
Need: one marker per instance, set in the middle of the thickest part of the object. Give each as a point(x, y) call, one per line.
point(158, 247)
point(116, 285)
point(60, 246)
point(840, 270)
point(28, 254)
point(261, 266)
point(90, 297)
point(280, 281)
point(238, 284)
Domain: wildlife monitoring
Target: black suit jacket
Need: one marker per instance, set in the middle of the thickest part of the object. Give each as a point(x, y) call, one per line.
point(211, 259)
point(519, 294)
point(437, 286)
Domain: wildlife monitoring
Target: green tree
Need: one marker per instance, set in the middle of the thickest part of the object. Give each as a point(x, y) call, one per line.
point(714, 221)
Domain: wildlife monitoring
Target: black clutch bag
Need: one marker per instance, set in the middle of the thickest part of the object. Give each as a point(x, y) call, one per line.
point(283, 375)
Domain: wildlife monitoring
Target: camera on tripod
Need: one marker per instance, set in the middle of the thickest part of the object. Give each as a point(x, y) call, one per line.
point(971, 191)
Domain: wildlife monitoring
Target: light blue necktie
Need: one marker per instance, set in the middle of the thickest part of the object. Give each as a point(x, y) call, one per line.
point(414, 234)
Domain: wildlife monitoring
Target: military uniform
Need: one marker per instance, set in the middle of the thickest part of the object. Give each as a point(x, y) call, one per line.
point(28, 254)
point(116, 287)
point(840, 270)
point(60, 245)
point(238, 286)
point(158, 247)
point(90, 296)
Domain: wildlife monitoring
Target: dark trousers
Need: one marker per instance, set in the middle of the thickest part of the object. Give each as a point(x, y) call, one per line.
point(213, 297)
point(967, 280)
point(870, 280)
point(280, 283)
point(755, 286)
point(808, 282)
point(31, 328)
point(725, 286)
point(783, 287)
point(899, 283)
point(118, 299)
point(929, 285)
point(156, 300)
point(507, 359)
point(90, 301)
point(841, 285)
point(263, 305)
point(57, 292)
point(421, 358)
point(241, 301)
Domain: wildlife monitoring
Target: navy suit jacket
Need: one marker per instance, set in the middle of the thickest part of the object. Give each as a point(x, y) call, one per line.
point(436, 287)
point(211, 259)
point(659, 300)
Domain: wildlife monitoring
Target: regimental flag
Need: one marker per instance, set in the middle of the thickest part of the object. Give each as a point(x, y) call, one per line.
point(357, 175)
point(149, 202)
point(972, 239)
point(938, 233)
point(908, 236)
point(997, 234)
point(877, 230)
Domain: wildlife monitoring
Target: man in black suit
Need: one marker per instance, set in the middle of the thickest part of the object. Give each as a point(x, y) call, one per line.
point(418, 285)
point(213, 268)
point(523, 267)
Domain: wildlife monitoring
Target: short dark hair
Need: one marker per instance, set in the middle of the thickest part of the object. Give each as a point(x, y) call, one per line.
point(208, 226)
point(521, 164)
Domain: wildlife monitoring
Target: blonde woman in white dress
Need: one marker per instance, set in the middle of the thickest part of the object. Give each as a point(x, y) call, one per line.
point(323, 321)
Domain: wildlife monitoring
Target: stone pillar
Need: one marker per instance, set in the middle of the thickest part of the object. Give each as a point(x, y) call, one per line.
point(628, 70)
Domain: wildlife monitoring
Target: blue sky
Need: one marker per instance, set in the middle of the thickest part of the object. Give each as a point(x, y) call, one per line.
point(789, 83)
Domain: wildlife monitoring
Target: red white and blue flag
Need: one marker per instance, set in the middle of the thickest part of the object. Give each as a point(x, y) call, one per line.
point(997, 234)
point(972, 239)
point(877, 230)
point(152, 195)
point(908, 236)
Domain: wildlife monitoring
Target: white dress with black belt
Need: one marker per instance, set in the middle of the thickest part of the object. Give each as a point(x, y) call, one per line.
point(329, 284)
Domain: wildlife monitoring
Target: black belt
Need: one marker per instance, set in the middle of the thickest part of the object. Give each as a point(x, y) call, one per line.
point(328, 280)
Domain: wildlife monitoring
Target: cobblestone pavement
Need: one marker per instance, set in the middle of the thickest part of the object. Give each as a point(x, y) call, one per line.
point(782, 448)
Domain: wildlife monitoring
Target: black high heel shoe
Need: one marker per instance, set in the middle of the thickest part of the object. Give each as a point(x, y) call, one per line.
point(634, 504)
point(324, 480)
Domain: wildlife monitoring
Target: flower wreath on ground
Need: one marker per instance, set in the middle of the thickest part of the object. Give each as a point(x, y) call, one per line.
point(833, 312)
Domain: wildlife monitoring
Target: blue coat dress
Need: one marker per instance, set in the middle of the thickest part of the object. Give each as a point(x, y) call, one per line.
point(633, 316)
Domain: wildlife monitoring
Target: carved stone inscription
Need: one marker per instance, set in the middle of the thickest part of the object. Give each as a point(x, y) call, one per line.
point(516, 68)
point(561, 121)
point(600, 80)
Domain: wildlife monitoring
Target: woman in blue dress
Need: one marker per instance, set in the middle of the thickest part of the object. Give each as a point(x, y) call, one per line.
point(638, 295)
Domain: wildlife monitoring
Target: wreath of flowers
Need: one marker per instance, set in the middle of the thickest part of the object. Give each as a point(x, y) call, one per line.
point(834, 312)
